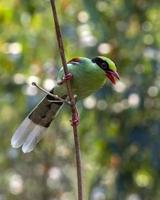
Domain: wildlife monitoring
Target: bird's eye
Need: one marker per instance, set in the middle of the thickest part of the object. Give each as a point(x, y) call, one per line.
point(104, 66)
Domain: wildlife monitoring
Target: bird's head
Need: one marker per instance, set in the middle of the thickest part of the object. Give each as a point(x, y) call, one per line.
point(108, 66)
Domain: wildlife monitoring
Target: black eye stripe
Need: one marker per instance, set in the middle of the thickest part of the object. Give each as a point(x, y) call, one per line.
point(101, 63)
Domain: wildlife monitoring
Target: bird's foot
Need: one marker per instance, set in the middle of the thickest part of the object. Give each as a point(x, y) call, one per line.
point(67, 77)
point(75, 118)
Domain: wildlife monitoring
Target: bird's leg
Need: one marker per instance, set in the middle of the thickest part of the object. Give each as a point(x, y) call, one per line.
point(67, 77)
point(75, 118)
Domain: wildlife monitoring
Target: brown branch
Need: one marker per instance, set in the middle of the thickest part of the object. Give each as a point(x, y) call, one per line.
point(72, 100)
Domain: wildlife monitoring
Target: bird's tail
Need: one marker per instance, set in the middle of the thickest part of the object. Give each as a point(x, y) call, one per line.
point(31, 130)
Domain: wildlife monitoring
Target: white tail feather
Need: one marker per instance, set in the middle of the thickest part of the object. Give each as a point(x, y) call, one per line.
point(22, 132)
point(33, 138)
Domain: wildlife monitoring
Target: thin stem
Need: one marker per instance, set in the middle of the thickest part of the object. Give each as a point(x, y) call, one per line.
point(71, 98)
point(58, 99)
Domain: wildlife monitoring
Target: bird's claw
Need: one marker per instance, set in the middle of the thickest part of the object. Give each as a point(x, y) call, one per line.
point(67, 77)
point(75, 119)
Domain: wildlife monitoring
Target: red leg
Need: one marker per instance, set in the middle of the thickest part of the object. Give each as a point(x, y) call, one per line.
point(67, 77)
point(75, 118)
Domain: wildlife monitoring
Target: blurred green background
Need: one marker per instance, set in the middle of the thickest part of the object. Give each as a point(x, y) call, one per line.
point(120, 125)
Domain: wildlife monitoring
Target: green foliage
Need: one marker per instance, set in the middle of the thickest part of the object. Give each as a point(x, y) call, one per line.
point(119, 127)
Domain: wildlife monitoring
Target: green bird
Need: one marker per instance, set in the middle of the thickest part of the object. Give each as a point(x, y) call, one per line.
point(88, 75)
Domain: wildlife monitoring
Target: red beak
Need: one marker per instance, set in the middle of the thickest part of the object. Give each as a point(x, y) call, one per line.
point(113, 76)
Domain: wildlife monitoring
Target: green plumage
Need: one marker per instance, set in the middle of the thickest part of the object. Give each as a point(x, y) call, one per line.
point(87, 78)
point(88, 75)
